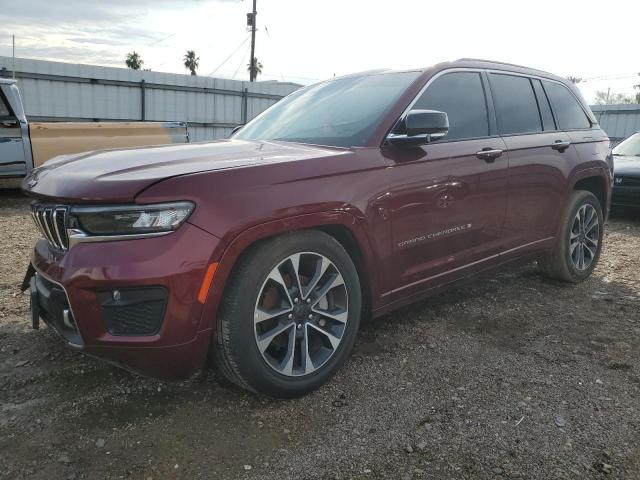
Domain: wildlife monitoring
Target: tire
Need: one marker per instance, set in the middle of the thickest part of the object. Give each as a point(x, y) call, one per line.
point(262, 286)
point(563, 263)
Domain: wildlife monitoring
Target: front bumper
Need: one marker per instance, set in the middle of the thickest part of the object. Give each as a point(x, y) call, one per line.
point(133, 302)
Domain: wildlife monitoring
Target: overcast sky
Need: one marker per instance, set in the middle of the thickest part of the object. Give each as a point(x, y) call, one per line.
point(306, 41)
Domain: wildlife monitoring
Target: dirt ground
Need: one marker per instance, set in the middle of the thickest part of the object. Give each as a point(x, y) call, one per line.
point(513, 377)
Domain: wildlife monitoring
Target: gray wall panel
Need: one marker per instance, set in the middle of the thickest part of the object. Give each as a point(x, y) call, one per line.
point(619, 121)
point(53, 90)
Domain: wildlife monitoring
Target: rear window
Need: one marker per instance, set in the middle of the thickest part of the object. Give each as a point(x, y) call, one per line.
point(461, 96)
point(516, 104)
point(569, 113)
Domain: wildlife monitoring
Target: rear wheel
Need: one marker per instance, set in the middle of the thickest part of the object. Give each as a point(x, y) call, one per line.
point(578, 249)
point(289, 316)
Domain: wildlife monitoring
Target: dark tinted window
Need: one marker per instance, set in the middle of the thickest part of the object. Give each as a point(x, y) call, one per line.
point(461, 96)
point(516, 104)
point(568, 111)
point(543, 103)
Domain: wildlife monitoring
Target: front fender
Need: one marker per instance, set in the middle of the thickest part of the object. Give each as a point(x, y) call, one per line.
point(228, 253)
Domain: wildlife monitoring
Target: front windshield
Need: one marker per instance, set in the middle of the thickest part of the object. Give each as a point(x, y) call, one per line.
point(630, 147)
point(340, 113)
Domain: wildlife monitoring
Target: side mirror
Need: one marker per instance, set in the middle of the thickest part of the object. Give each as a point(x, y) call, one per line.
point(421, 126)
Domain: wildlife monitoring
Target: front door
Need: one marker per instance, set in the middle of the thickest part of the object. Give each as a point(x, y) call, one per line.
point(446, 200)
point(12, 153)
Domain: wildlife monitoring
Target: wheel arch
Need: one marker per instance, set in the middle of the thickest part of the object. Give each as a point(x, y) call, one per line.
point(594, 185)
point(594, 180)
point(344, 227)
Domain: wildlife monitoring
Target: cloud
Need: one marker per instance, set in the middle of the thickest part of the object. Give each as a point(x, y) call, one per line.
point(83, 31)
point(74, 11)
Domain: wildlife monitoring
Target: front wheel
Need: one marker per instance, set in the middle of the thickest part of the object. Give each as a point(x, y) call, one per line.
point(578, 248)
point(289, 316)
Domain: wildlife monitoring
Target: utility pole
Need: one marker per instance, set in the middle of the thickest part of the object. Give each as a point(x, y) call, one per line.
point(13, 55)
point(252, 70)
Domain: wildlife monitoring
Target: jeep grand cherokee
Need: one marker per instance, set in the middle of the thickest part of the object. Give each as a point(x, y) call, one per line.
point(345, 200)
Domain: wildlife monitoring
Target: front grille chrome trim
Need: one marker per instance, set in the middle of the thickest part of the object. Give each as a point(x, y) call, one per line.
point(47, 219)
point(55, 225)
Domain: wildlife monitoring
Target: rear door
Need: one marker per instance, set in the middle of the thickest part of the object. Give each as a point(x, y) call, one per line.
point(540, 158)
point(446, 200)
point(12, 151)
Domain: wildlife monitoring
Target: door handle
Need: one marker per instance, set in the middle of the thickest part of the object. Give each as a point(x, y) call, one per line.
point(489, 154)
point(9, 124)
point(560, 145)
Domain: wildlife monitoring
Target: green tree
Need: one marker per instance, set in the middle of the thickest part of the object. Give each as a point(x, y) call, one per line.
point(191, 62)
point(134, 61)
point(612, 98)
point(257, 68)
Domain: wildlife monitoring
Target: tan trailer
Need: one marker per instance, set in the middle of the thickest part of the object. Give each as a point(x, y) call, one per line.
point(49, 140)
point(24, 145)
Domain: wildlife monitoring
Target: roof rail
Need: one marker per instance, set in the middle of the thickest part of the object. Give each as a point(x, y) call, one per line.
point(493, 61)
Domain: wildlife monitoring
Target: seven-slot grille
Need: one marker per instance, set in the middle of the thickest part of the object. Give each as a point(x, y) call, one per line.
point(52, 221)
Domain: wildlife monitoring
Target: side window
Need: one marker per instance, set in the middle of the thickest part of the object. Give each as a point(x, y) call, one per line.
point(568, 111)
point(461, 96)
point(548, 123)
point(4, 109)
point(516, 104)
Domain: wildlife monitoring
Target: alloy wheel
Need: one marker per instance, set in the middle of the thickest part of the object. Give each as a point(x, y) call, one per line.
point(584, 237)
point(301, 314)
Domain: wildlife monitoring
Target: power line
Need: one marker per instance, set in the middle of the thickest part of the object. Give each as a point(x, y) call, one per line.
point(161, 40)
point(241, 62)
point(612, 77)
point(231, 55)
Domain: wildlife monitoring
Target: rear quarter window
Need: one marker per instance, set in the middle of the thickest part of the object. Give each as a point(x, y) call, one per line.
point(568, 110)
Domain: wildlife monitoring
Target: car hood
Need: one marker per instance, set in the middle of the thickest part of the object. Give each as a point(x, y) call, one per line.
point(626, 165)
point(119, 175)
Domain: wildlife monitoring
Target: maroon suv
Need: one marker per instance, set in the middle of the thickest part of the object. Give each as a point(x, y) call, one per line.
point(347, 199)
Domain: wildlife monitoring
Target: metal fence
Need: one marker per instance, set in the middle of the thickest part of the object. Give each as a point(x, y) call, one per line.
point(619, 121)
point(54, 91)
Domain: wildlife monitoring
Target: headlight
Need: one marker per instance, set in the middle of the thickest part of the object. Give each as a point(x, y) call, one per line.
point(131, 219)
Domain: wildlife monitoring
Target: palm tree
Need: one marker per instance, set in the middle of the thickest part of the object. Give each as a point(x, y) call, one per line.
point(257, 69)
point(191, 61)
point(133, 61)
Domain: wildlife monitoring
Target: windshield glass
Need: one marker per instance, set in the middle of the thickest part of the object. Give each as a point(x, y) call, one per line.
point(630, 147)
point(341, 112)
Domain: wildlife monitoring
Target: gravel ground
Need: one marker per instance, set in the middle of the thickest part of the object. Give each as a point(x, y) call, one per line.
point(513, 377)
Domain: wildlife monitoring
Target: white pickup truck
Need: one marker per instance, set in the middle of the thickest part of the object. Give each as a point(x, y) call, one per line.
point(24, 146)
